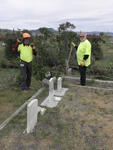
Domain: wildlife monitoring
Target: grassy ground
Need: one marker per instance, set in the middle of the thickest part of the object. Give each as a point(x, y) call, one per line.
point(82, 121)
point(11, 96)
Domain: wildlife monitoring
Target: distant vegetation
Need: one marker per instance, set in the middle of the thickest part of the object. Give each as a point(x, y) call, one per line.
point(53, 48)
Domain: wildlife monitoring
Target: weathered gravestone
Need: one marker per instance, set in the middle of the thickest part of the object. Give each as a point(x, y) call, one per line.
point(51, 101)
point(32, 111)
point(32, 115)
point(60, 91)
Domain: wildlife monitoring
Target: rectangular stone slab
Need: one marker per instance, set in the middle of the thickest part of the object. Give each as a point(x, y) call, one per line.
point(51, 103)
point(61, 92)
point(32, 115)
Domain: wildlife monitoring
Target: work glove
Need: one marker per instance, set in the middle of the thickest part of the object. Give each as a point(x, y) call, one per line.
point(82, 63)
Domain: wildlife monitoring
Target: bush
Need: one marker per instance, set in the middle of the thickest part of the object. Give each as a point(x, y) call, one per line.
point(10, 41)
point(5, 63)
point(97, 52)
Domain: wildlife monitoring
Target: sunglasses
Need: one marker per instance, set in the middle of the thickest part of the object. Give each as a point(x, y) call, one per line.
point(82, 36)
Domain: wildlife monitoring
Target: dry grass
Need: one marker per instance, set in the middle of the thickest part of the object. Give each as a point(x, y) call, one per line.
point(82, 121)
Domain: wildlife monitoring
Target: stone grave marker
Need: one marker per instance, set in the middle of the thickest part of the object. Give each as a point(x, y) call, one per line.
point(51, 101)
point(60, 91)
point(32, 111)
point(32, 115)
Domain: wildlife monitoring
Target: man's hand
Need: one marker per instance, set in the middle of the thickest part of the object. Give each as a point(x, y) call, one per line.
point(82, 63)
point(33, 46)
point(18, 40)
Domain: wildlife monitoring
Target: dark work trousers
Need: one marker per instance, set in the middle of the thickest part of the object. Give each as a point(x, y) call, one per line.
point(82, 70)
point(25, 74)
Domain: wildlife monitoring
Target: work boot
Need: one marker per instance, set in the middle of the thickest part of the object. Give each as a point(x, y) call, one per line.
point(25, 89)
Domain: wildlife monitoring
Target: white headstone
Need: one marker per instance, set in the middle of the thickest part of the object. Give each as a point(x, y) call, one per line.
point(51, 87)
point(60, 91)
point(32, 115)
point(51, 101)
point(59, 84)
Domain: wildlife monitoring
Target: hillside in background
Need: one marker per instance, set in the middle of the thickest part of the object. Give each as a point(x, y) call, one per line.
point(37, 31)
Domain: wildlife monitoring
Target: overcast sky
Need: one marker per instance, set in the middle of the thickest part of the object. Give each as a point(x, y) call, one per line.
point(86, 15)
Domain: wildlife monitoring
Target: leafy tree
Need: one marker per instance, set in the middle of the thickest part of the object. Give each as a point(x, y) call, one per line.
point(46, 33)
point(65, 27)
point(96, 49)
point(10, 40)
point(64, 39)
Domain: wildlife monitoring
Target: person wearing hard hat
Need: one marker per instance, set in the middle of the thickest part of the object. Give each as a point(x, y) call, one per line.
point(83, 56)
point(26, 56)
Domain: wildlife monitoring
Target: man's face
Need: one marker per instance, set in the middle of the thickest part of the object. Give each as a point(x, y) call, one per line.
point(27, 41)
point(82, 37)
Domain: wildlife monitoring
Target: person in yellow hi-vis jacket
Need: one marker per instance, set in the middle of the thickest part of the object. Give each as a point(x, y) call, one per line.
point(83, 56)
point(26, 51)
